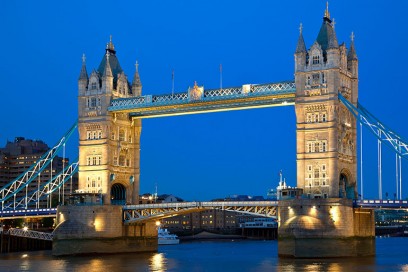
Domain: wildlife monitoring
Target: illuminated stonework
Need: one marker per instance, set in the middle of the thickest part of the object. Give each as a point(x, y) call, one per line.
point(326, 130)
point(109, 143)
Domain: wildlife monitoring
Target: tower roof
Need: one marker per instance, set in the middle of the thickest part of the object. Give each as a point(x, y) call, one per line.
point(327, 36)
point(352, 55)
point(301, 47)
point(83, 74)
point(136, 76)
point(113, 61)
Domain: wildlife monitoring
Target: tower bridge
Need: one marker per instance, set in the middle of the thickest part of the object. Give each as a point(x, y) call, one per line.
point(325, 98)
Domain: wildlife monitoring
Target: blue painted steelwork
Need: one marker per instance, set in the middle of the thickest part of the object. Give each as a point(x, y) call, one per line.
point(22, 181)
point(383, 133)
point(45, 190)
point(199, 100)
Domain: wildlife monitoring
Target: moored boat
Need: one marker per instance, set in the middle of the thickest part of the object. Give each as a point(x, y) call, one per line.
point(166, 238)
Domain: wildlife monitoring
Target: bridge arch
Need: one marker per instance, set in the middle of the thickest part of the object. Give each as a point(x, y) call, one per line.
point(118, 194)
point(346, 185)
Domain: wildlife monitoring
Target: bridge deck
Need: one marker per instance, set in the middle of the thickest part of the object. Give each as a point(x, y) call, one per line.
point(198, 100)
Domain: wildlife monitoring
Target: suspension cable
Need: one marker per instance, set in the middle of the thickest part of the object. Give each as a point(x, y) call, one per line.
point(379, 168)
point(361, 160)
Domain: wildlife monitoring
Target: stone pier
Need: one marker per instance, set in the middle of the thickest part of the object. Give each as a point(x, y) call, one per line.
point(324, 228)
point(99, 229)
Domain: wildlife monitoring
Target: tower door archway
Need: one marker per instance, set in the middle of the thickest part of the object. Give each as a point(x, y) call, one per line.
point(346, 189)
point(118, 194)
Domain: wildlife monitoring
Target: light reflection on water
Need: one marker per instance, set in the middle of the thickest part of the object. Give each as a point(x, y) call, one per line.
point(211, 256)
point(158, 262)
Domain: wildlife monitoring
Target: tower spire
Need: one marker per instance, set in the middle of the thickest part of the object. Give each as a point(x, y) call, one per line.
point(301, 47)
point(351, 55)
point(137, 84)
point(83, 74)
point(326, 12)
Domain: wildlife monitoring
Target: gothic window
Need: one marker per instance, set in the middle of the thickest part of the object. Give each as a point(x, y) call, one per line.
point(316, 145)
point(88, 135)
point(308, 80)
point(121, 135)
point(93, 102)
point(323, 167)
point(99, 160)
point(99, 182)
point(323, 78)
point(127, 162)
point(99, 102)
point(316, 59)
point(93, 160)
point(89, 161)
point(113, 135)
point(122, 160)
point(324, 118)
point(316, 79)
point(130, 139)
point(115, 160)
point(309, 167)
point(93, 182)
point(99, 134)
point(309, 147)
point(323, 146)
point(94, 135)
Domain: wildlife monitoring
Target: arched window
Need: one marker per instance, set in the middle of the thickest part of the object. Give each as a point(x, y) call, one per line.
point(122, 160)
point(324, 147)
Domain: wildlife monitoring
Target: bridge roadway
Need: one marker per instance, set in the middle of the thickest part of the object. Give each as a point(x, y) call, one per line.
point(198, 100)
point(143, 212)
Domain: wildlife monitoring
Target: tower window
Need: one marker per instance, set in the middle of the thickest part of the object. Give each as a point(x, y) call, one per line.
point(93, 86)
point(316, 59)
point(93, 102)
point(121, 135)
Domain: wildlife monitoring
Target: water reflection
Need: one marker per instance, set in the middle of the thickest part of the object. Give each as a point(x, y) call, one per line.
point(329, 264)
point(158, 262)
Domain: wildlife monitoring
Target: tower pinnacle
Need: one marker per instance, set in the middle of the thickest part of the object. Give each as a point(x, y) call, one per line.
point(326, 12)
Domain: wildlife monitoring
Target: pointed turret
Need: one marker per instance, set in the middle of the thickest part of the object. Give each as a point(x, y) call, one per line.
point(301, 47)
point(352, 60)
point(301, 52)
point(83, 77)
point(107, 78)
point(113, 61)
point(137, 84)
point(351, 55)
point(327, 36)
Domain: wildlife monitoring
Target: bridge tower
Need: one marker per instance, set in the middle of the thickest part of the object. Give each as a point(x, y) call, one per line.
point(325, 129)
point(323, 222)
point(109, 144)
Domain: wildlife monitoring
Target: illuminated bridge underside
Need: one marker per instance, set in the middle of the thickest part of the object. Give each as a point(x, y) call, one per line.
point(146, 212)
point(196, 100)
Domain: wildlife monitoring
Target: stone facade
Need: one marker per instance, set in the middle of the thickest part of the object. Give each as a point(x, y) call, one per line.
point(99, 229)
point(326, 130)
point(109, 143)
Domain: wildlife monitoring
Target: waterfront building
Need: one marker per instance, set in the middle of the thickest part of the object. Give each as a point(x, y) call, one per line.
point(18, 156)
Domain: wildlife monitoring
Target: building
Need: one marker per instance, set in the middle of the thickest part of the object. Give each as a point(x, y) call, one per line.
point(109, 143)
point(325, 129)
point(18, 156)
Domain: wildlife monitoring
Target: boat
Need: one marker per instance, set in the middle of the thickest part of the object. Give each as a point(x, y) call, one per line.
point(166, 238)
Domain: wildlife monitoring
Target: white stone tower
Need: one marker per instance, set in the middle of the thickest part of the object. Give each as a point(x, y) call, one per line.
point(109, 144)
point(326, 130)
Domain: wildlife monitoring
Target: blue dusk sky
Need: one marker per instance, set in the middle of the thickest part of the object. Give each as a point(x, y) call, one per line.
point(202, 156)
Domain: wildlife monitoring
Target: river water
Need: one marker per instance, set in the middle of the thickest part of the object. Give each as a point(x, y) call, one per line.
point(221, 255)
